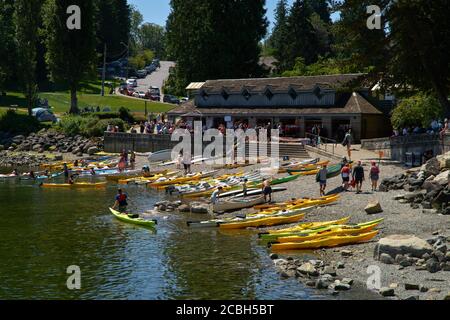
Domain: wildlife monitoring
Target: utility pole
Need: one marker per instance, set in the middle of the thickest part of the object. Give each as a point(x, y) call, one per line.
point(104, 71)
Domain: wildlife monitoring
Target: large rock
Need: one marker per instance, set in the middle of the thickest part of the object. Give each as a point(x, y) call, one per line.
point(37, 147)
point(373, 208)
point(200, 208)
point(92, 150)
point(431, 168)
point(442, 178)
point(402, 244)
point(444, 161)
point(308, 268)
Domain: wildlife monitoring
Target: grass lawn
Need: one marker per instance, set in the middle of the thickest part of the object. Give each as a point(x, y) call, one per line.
point(60, 102)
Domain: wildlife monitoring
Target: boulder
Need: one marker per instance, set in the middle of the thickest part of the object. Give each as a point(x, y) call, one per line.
point(442, 178)
point(309, 269)
point(432, 186)
point(433, 265)
point(444, 161)
point(386, 259)
point(37, 147)
point(402, 244)
point(184, 208)
point(373, 207)
point(432, 167)
point(387, 292)
point(92, 150)
point(200, 209)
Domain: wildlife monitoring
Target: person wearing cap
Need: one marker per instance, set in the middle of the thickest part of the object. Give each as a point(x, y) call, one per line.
point(374, 175)
point(358, 176)
point(121, 201)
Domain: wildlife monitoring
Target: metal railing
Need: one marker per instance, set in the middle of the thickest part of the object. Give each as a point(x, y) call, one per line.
point(322, 143)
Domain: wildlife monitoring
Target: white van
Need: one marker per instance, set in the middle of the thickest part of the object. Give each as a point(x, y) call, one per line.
point(132, 82)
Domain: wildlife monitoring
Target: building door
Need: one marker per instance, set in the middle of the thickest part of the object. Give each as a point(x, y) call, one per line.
point(340, 127)
point(311, 124)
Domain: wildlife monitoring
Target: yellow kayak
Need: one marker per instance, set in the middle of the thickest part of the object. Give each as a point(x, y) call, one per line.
point(263, 222)
point(310, 225)
point(303, 204)
point(174, 181)
point(290, 202)
point(306, 167)
point(79, 185)
point(327, 242)
point(329, 232)
point(121, 177)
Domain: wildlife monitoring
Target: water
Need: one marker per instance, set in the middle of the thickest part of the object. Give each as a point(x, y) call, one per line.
point(43, 231)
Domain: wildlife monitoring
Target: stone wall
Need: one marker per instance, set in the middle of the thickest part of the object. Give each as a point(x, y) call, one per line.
point(396, 148)
point(116, 142)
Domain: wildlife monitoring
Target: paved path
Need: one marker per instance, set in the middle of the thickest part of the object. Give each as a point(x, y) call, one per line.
point(157, 78)
point(357, 152)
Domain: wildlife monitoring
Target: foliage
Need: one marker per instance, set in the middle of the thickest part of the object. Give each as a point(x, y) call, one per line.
point(90, 126)
point(418, 110)
point(324, 66)
point(126, 115)
point(14, 122)
point(142, 59)
point(152, 37)
point(412, 48)
point(215, 39)
point(71, 54)
point(7, 47)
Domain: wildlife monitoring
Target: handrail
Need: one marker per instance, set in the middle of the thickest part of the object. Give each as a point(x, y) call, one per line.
point(321, 142)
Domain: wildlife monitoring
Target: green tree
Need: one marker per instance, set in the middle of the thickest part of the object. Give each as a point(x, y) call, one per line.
point(418, 110)
point(7, 47)
point(280, 37)
point(217, 39)
point(27, 21)
point(153, 37)
point(136, 21)
point(71, 55)
point(411, 50)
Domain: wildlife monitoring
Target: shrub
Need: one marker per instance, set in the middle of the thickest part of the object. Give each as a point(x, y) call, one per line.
point(13, 122)
point(88, 126)
point(418, 110)
point(126, 115)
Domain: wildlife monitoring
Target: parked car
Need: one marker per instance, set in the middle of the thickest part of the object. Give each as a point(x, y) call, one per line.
point(150, 68)
point(184, 99)
point(152, 96)
point(139, 94)
point(142, 73)
point(168, 98)
point(132, 82)
point(157, 63)
point(44, 115)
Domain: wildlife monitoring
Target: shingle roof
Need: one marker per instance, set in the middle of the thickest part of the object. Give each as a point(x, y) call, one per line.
point(356, 104)
point(306, 83)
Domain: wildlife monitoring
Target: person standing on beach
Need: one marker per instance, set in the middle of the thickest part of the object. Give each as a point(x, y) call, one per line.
point(374, 176)
point(348, 141)
point(215, 196)
point(345, 173)
point(322, 177)
point(187, 161)
point(358, 176)
point(267, 190)
point(245, 187)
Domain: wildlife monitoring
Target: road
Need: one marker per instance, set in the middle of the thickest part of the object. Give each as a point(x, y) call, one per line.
point(157, 78)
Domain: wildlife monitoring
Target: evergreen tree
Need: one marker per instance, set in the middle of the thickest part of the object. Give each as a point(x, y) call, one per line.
point(152, 37)
point(218, 39)
point(27, 21)
point(7, 47)
point(279, 39)
point(70, 55)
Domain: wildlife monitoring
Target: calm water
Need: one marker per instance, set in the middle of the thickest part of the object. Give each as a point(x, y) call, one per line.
point(44, 231)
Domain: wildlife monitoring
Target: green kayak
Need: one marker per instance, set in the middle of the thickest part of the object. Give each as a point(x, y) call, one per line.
point(138, 221)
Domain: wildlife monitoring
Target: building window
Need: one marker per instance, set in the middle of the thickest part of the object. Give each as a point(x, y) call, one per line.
point(246, 94)
point(293, 93)
point(225, 94)
point(269, 94)
point(318, 93)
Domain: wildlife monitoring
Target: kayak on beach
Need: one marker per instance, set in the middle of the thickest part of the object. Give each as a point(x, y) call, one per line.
point(76, 185)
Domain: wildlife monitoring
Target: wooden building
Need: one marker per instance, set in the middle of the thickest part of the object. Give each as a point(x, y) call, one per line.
point(334, 103)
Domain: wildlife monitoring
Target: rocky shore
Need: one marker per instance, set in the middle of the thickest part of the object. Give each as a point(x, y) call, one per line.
point(34, 149)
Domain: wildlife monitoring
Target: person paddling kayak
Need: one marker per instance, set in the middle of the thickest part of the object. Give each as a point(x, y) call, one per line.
point(121, 201)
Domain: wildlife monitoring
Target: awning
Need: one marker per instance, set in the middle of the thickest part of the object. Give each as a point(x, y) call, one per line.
point(195, 86)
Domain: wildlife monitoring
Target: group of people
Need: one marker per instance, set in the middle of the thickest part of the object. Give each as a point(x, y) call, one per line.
point(127, 159)
point(156, 127)
point(435, 127)
point(356, 174)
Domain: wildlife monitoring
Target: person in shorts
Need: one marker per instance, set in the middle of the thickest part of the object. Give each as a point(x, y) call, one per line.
point(267, 190)
point(322, 177)
point(374, 175)
point(345, 174)
point(358, 176)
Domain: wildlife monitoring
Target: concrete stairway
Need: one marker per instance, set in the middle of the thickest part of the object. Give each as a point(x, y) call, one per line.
point(290, 150)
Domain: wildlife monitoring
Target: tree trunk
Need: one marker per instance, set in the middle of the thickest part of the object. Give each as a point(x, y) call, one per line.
point(73, 100)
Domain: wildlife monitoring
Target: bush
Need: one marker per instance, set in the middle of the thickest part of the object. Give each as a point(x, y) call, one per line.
point(418, 110)
point(126, 115)
point(88, 126)
point(13, 122)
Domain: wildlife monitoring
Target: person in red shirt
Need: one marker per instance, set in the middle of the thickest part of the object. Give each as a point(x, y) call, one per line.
point(374, 175)
point(345, 173)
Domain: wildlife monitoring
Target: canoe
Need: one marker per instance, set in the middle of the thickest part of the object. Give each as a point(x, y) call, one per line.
point(172, 181)
point(328, 232)
point(77, 185)
point(160, 156)
point(309, 226)
point(327, 242)
point(137, 221)
point(263, 222)
point(237, 204)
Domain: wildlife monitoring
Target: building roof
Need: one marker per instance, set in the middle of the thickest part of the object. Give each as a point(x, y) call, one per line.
point(283, 84)
point(352, 104)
